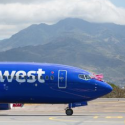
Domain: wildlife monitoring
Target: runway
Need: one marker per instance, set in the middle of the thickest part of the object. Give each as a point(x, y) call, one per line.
point(98, 112)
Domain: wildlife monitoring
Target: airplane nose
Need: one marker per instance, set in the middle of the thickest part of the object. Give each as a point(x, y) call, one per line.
point(108, 88)
point(103, 88)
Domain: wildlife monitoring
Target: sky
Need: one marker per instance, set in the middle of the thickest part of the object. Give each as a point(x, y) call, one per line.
point(118, 3)
point(16, 15)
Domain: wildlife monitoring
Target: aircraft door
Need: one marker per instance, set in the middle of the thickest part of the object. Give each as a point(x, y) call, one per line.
point(62, 79)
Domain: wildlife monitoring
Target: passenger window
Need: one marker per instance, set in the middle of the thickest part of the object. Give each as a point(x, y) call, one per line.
point(9, 77)
point(52, 77)
point(4, 77)
point(25, 77)
point(47, 77)
point(41, 77)
point(20, 77)
point(36, 77)
point(14, 77)
point(30, 77)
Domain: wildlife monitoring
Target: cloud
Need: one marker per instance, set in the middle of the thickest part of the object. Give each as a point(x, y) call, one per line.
point(21, 1)
point(26, 12)
point(7, 30)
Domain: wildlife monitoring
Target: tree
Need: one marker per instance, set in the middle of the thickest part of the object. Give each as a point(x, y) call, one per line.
point(116, 93)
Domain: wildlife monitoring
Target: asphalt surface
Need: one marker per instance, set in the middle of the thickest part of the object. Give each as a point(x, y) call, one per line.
point(98, 112)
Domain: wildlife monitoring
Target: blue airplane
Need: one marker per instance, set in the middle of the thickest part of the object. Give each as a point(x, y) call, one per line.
point(48, 83)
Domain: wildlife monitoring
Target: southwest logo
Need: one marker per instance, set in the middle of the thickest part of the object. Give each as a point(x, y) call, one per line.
point(20, 76)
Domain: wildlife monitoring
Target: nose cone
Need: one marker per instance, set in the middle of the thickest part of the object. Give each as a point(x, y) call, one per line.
point(103, 88)
point(107, 88)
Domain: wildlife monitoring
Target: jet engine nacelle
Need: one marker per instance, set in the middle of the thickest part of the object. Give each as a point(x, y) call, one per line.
point(8, 106)
point(5, 106)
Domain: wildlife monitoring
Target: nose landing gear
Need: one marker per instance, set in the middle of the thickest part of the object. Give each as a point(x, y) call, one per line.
point(69, 112)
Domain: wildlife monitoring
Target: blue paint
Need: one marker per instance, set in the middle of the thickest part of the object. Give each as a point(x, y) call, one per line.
point(78, 104)
point(64, 87)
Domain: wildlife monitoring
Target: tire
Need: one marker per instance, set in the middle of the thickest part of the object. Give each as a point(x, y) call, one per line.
point(69, 112)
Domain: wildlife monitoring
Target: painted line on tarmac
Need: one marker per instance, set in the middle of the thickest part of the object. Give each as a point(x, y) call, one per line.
point(114, 111)
point(63, 120)
point(108, 102)
point(101, 111)
point(116, 117)
point(95, 117)
point(108, 117)
point(18, 121)
point(107, 121)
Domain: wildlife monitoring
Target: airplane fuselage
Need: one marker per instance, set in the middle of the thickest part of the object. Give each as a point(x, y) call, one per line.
point(47, 83)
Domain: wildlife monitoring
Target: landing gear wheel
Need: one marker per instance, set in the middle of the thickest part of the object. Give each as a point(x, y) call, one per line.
point(69, 112)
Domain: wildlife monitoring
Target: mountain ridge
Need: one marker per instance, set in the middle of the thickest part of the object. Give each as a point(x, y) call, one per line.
point(42, 33)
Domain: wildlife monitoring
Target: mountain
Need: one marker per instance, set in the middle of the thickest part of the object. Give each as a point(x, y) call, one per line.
point(95, 47)
point(76, 28)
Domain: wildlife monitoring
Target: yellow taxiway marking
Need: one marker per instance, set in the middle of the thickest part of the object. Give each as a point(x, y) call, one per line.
point(109, 117)
point(104, 111)
point(116, 117)
point(106, 121)
point(95, 117)
point(19, 121)
point(64, 120)
point(108, 102)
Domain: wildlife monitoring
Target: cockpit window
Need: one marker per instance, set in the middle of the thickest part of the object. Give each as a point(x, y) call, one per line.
point(81, 76)
point(85, 77)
